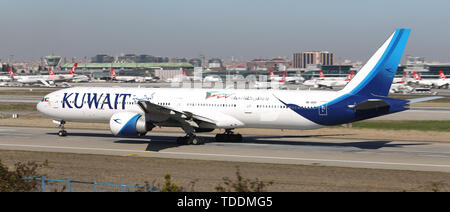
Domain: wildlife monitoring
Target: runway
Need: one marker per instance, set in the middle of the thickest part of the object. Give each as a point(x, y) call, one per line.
point(302, 150)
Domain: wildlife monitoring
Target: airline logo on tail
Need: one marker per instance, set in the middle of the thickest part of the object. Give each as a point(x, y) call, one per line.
point(271, 73)
point(350, 76)
point(11, 74)
point(321, 75)
point(416, 76)
point(113, 73)
point(284, 77)
point(404, 78)
point(72, 71)
point(51, 72)
point(442, 75)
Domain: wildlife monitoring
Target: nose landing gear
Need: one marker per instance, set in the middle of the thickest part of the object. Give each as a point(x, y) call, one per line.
point(62, 132)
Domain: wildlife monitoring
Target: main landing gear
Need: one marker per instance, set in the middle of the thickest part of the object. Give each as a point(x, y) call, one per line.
point(190, 139)
point(229, 136)
point(62, 132)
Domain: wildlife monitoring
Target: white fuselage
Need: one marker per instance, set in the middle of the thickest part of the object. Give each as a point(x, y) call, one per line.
point(129, 78)
point(243, 108)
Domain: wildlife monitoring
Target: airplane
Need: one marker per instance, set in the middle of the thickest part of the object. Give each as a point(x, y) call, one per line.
point(185, 78)
point(401, 86)
point(136, 111)
point(273, 77)
point(335, 82)
point(61, 77)
point(403, 79)
point(443, 80)
point(30, 79)
point(295, 79)
point(4, 78)
point(288, 79)
point(432, 83)
point(73, 77)
point(46, 80)
point(8, 78)
point(116, 77)
point(331, 82)
point(212, 78)
point(313, 82)
point(275, 83)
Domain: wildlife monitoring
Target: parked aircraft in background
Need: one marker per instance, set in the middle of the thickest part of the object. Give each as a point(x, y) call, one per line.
point(61, 77)
point(275, 83)
point(403, 79)
point(432, 83)
point(7, 78)
point(445, 82)
point(325, 82)
point(275, 78)
point(212, 78)
point(335, 82)
point(116, 77)
point(401, 86)
point(43, 80)
point(185, 78)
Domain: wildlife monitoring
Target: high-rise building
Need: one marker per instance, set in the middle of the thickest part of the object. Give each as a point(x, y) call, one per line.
point(102, 58)
point(302, 60)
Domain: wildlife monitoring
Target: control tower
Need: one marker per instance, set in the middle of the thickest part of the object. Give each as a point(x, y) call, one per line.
point(52, 61)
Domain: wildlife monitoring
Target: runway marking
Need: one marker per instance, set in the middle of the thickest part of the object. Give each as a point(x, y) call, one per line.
point(134, 154)
point(235, 156)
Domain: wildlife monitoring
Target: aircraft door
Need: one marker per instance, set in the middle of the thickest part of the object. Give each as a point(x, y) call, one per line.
point(323, 110)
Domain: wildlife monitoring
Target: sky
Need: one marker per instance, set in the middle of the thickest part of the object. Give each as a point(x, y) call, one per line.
point(243, 29)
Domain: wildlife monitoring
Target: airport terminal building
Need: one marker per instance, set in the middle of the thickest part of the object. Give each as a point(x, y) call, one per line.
point(102, 70)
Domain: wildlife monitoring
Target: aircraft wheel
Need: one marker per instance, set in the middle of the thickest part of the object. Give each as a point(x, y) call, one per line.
point(62, 133)
point(197, 140)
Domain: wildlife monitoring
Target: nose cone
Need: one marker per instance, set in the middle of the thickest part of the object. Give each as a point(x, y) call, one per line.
point(40, 107)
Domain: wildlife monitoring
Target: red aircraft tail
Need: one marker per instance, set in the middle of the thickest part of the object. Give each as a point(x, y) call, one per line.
point(72, 71)
point(321, 75)
point(11, 73)
point(50, 71)
point(350, 76)
point(113, 73)
point(442, 75)
point(416, 76)
point(284, 77)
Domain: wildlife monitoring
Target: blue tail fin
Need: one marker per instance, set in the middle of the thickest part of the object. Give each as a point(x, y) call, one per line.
point(375, 77)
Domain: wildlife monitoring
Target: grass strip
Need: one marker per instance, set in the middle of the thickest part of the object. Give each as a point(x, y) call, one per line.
point(443, 126)
point(17, 106)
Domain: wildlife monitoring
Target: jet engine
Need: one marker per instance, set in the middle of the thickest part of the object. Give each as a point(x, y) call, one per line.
point(128, 124)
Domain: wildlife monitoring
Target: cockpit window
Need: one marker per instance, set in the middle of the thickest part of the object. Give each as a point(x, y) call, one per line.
point(45, 99)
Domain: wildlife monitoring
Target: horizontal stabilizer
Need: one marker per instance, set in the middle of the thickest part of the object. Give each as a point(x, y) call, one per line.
point(371, 104)
point(424, 99)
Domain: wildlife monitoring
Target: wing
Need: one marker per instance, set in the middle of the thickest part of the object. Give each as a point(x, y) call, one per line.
point(166, 114)
point(44, 82)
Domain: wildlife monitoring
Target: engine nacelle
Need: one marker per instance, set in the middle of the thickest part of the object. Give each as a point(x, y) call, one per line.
point(128, 124)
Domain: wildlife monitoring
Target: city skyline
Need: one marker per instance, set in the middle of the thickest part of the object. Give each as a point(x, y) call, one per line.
point(240, 29)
